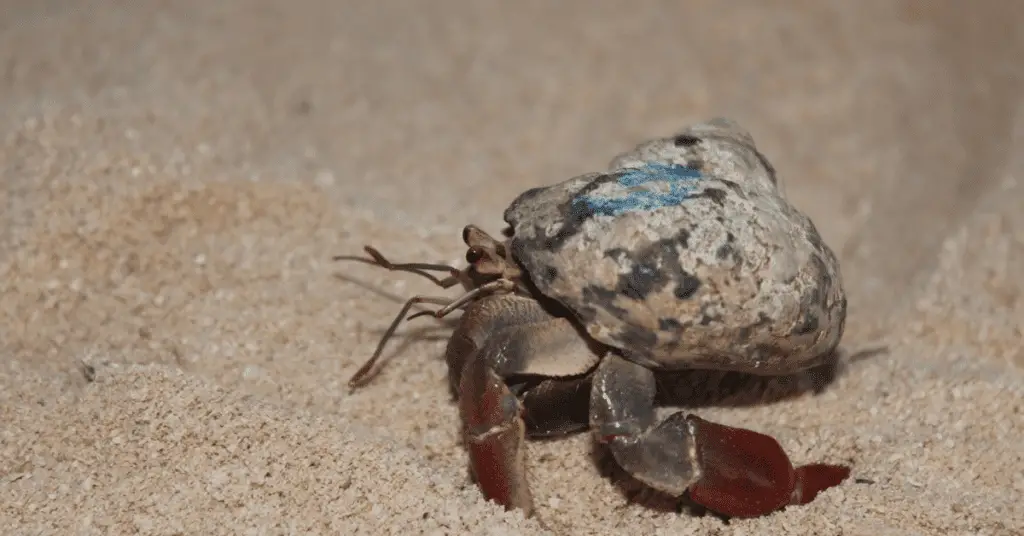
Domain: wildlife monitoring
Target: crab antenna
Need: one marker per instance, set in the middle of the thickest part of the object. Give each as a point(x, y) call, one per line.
point(366, 372)
point(418, 268)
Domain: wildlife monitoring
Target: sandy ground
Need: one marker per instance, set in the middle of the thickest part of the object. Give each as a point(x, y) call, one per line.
point(175, 340)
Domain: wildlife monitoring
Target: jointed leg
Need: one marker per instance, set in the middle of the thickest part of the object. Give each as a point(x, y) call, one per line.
point(733, 471)
point(510, 336)
point(363, 375)
point(622, 415)
point(448, 305)
point(517, 336)
point(557, 407)
point(495, 436)
point(500, 285)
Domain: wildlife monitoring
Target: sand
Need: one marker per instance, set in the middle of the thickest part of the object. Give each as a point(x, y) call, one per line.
point(176, 341)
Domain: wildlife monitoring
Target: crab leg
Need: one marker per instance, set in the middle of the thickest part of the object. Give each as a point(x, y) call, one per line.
point(495, 436)
point(733, 471)
point(505, 336)
point(366, 371)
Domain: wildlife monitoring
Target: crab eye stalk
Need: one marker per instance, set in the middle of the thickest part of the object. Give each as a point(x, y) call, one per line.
point(474, 254)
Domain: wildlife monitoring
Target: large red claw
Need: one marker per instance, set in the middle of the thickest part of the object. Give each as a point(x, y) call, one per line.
point(495, 434)
point(747, 474)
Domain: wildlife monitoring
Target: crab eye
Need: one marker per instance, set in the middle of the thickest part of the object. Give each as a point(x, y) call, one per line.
point(474, 254)
point(686, 140)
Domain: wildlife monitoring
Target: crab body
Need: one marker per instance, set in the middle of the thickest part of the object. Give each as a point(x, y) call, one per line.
point(683, 256)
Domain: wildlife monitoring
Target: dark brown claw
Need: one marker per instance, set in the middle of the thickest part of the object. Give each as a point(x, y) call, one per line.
point(747, 474)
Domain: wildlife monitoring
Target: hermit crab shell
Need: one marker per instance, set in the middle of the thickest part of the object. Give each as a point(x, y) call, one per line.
point(686, 255)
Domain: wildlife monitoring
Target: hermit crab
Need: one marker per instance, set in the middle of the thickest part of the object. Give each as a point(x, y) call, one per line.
point(684, 255)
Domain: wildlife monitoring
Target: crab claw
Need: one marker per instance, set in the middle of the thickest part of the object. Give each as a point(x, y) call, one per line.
point(495, 436)
point(747, 474)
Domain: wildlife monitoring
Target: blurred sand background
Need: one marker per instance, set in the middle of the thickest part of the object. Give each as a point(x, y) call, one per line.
point(174, 341)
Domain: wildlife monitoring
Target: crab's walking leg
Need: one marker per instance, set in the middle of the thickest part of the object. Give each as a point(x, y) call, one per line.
point(662, 456)
point(557, 407)
point(366, 371)
point(732, 471)
point(504, 336)
point(495, 436)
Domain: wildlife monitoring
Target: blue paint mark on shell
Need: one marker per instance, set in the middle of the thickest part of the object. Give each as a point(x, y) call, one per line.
point(644, 188)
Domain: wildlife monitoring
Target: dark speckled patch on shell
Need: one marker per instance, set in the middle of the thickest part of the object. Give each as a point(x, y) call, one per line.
point(686, 254)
